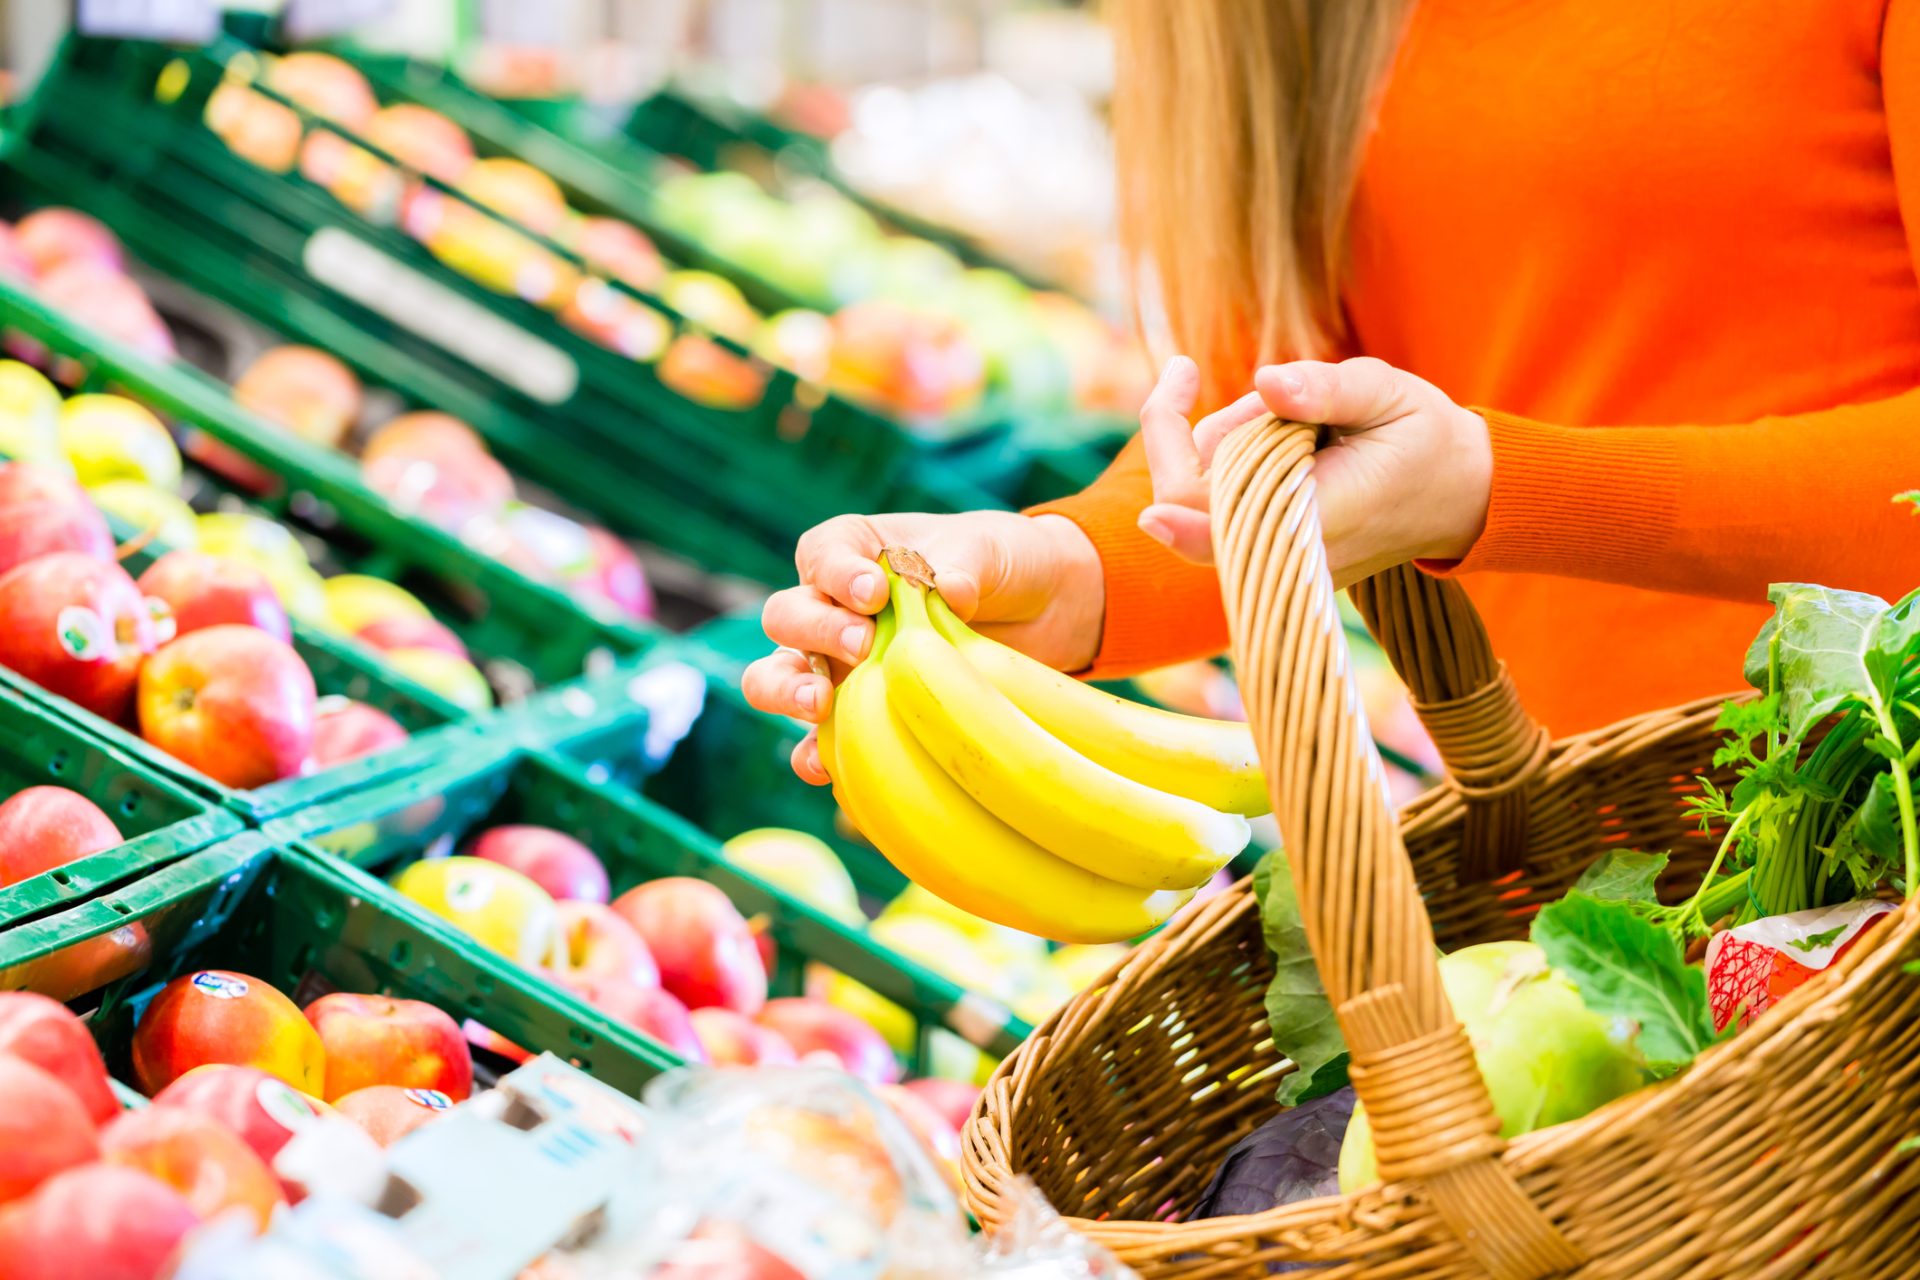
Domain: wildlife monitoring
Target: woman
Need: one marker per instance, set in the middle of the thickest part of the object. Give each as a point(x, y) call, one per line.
point(1669, 248)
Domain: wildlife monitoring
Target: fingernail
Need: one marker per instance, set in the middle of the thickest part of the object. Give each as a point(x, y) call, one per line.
point(807, 696)
point(1157, 531)
point(1177, 365)
point(1293, 383)
point(863, 588)
point(853, 642)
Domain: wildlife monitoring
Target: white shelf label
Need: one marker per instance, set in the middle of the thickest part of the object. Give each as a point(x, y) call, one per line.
point(376, 280)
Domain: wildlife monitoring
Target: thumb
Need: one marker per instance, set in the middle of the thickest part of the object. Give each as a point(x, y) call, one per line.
point(960, 588)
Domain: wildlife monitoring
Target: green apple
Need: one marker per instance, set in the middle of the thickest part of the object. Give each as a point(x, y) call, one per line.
point(356, 601)
point(141, 506)
point(450, 676)
point(1545, 1056)
point(29, 416)
point(112, 438)
point(800, 864)
point(498, 906)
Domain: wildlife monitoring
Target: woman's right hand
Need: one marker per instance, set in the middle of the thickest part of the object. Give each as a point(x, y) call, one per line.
point(1032, 582)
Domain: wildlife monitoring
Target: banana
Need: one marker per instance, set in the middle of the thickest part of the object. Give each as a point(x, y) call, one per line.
point(1064, 802)
point(940, 838)
point(1209, 761)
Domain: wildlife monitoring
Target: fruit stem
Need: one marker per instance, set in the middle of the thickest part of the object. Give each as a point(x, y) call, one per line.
point(909, 598)
point(909, 564)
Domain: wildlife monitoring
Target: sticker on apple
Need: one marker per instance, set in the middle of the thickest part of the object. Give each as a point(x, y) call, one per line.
point(221, 986)
point(469, 894)
point(285, 1105)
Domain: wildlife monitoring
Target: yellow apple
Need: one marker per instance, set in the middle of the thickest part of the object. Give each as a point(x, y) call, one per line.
point(141, 506)
point(29, 416)
point(800, 864)
point(237, 535)
point(942, 949)
point(112, 438)
point(1079, 967)
point(498, 906)
point(356, 601)
point(452, 677)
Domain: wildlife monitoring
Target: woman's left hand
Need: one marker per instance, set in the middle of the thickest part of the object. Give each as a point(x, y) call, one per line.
point(1406, 474)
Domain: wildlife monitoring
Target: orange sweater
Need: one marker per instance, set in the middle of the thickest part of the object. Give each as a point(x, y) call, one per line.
point(1614, 218)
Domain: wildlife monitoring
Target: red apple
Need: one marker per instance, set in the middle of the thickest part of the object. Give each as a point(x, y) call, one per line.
point(206, 591)
point(216, 1015)
point(723, 1251)
point(402, 631)
point(44, 1128)
point(938, 1134)
point(15, 265)
point(42, 511)
point(78, 627)
point(374, 1039)
point(55, 235)
point(735, 1040)
point(45, 1033)
point(310, 393)
point(425, 434)
point(389, 1113)
point(551, 859)
point(89, 964)
point(46, 827)
point(346, 730)
point(231, 701)
point(814, 1027)
point(446, 486)
point(621, 250)
point(953, 1099)
point(263, 1110)
point(101, 1221)
point(595, 942)
point(199, 1157)
point(617, 576)
point(705, 950)
point(108, 302)
point(488, 1040)
point(648, 1010)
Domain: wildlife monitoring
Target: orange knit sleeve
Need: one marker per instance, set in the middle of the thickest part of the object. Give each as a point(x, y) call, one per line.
point(1160, 608)
point(1726, 510)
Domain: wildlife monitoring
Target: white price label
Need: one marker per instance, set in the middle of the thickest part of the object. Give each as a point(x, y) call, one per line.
point(674, 694)
point(437, 313)
point(172, 20)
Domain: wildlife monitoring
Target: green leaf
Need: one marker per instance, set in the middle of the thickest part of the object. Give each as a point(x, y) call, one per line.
point(1876, 825)
point(1831, 647)
point(1298, 1011)
point(1911, 498)
point(1814, 941)
point(1625, 966)
point(1623, 875)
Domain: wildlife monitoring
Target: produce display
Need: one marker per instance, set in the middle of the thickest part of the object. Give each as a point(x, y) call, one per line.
point(891, 321)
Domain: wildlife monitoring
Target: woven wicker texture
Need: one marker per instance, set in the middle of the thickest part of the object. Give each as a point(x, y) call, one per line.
point(1773, 1156)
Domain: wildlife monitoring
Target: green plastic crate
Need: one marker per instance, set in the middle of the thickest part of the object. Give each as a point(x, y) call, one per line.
point(115, 127)
point(307, 924)
point(384, 829)
point(161, 820)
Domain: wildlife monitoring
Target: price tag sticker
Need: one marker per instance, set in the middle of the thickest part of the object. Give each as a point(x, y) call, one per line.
point(179, 21)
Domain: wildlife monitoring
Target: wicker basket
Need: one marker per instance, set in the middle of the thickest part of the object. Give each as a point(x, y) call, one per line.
point(1774, 1155)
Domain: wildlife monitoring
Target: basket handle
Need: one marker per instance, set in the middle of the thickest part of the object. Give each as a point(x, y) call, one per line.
point(1411, 1062)
point(1493, 750)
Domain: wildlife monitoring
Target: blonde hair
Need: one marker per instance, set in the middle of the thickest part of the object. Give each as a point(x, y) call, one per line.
point(1239, 126)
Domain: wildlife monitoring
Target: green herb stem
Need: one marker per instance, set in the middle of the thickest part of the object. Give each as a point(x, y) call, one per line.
point(1690, 911)
point(1903, 797)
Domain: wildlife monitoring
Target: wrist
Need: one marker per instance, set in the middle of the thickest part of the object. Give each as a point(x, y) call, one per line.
point(1470, 488)
point(1078, 598)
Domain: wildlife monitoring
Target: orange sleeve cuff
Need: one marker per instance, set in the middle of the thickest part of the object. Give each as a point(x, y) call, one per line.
point(1583, 502)
point(1160, 609)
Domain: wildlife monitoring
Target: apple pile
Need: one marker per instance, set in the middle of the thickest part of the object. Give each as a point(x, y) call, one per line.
point(78, 268)
point(234, 1070)
point(673, 958)
point(433, 466)
point(42, 828)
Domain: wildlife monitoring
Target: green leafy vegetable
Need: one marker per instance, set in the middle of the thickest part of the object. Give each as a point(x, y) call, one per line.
point(1623, 875)
point(1304, 1028)
point(1814, 941)
point(1626, 966)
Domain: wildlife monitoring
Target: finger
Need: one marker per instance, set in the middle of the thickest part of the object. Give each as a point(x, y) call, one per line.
point(960, 588)
point(1354, 395)
point(1182, 530)
point(784, 684)
point(841, 558)
point(1167, 436)
point(802, 618)
point(806, 761)
point(1221, 423)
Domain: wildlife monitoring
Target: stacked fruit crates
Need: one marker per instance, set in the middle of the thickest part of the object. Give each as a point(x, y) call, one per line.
point(117, 128)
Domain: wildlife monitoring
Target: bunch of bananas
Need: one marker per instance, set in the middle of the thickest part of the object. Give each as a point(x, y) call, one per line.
point(1022, 795)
